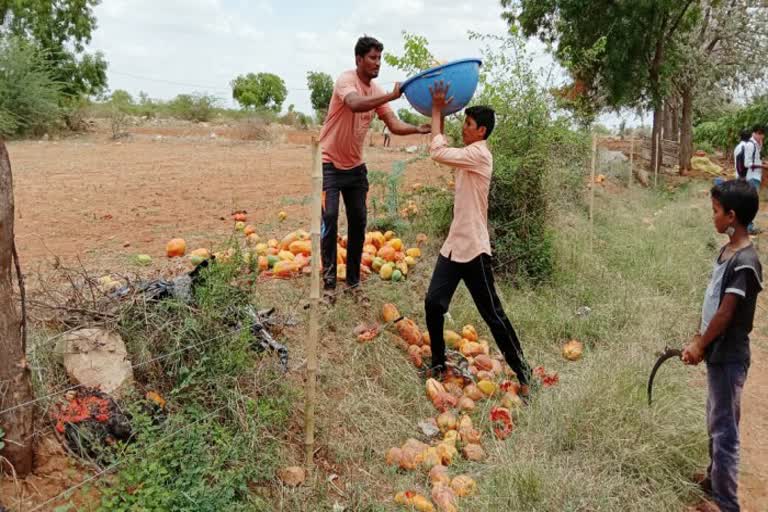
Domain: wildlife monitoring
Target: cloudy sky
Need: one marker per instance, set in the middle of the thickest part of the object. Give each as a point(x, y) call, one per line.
point(167, 47)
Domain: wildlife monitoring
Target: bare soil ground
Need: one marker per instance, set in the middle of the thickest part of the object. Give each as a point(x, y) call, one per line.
point(105, 201)
point(754, 419)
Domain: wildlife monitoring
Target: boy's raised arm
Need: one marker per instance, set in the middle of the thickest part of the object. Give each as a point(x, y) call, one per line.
point(439, 150)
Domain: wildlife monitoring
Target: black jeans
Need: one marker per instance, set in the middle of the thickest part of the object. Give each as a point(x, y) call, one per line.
point(478, 278)
point(352, 185)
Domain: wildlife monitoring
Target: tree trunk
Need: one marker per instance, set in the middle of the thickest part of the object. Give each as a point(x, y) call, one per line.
point(668, 110)
point(686, 131)
point(658, 123)
point(15, 388)
point(675, 122)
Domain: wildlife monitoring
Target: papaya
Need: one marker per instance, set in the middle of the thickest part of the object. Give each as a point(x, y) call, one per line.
point(387, 253)
point(287, 240)
point(286, 255)
point(284, 268)
point(390, 313)
point(452, 338)
point(301, 247)
point(396, 244)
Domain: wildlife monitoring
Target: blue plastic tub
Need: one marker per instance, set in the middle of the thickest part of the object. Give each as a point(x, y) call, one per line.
point(461, 75)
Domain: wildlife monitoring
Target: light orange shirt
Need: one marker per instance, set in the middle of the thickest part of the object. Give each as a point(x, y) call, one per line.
point(468, 237)
point(343, 133)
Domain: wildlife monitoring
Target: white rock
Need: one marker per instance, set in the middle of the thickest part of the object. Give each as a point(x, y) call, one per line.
point(96, 358)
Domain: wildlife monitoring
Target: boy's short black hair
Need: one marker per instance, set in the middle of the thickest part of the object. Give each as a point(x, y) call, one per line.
point(758, 129)
point(366, 44)
point(739, 196)
point(483, 116)
point(745, 135)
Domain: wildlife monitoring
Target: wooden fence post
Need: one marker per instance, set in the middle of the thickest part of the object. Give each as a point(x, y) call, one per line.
point(592, 191)
point(314, 307)
point(631, 160)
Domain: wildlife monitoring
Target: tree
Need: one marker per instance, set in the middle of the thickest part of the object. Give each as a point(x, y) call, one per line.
point(619, 50)
point(416, 55)
point(29, 96)
point(14, 371)
point(409, 116)
point(716, 57)
point(259, 91)
point(60, 30)
point(321, 85)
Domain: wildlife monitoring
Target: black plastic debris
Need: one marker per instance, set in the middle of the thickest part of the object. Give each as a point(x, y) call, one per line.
point(261, 321)
point(179, 288)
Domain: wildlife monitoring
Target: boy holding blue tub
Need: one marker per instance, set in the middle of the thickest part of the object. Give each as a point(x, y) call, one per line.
point(466, 253)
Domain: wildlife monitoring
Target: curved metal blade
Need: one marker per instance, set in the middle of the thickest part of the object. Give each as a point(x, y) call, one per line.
point(668, 353)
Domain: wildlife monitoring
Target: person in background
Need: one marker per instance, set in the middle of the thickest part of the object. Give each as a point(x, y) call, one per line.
point(754, 165)
point(387, 138)
point(739, 154)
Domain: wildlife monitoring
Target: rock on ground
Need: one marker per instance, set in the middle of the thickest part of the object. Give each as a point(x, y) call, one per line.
point(96, 358)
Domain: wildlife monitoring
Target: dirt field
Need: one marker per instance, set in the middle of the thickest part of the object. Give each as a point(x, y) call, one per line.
point(105, 201)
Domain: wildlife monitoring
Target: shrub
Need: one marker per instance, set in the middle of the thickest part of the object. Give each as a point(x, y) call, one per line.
point(29, 96)
point(723, 132)
point(408, 116)
point(193, 107)
point(532, 154)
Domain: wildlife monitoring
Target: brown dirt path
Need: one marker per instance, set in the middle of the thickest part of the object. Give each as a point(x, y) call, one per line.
point(753, 482)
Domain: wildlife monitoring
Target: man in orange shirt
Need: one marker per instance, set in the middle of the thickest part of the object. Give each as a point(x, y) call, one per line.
point(466, 253)
point(353, 104)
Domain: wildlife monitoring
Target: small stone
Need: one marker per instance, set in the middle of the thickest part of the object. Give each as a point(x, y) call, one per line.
point(429, 427)
point(96, 358)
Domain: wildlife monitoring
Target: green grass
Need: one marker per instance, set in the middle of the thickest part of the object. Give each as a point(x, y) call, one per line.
point(590, 443)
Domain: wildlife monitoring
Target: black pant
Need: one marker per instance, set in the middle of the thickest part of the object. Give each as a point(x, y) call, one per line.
point(352, 184)
point(478, 278)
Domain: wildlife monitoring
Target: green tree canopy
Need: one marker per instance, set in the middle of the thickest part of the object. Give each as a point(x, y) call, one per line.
point(619, 51)
point(259, 91)
point(60, 29)
point(321, 87)
point(416, 55)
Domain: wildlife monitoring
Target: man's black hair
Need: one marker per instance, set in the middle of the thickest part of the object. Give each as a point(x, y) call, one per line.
point(366, 44)
point(745, 135)
point(758, 129)
point(739, 196)
point(483, 116)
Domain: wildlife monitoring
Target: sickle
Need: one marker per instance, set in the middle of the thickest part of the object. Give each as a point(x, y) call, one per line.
point(668, 353)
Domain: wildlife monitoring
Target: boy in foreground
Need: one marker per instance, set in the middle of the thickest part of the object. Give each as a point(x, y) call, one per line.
point(466, 253)
point(723, 338)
